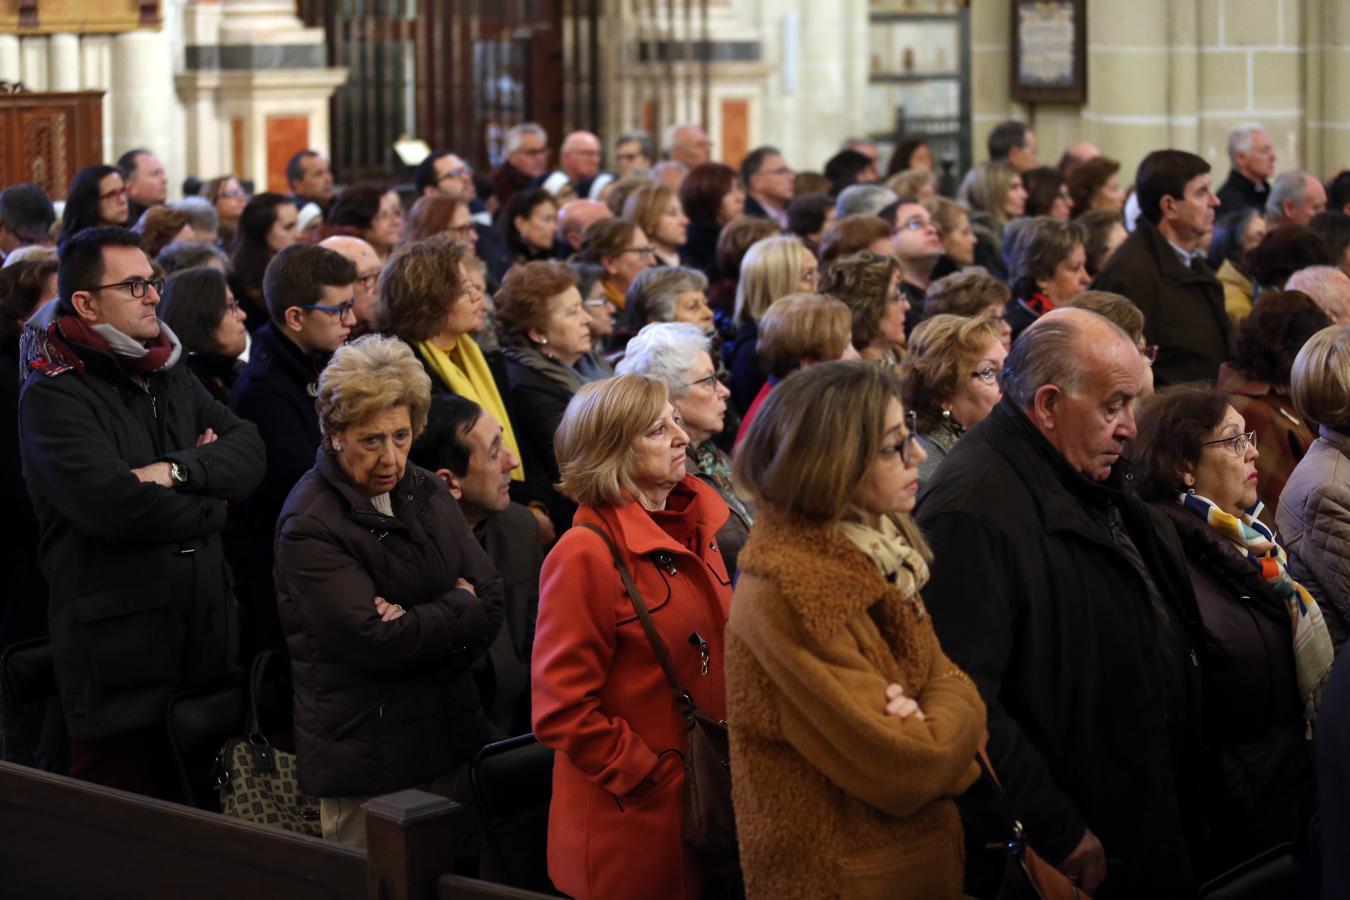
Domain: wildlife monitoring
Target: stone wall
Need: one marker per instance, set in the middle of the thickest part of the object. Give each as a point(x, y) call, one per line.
point(1182, 73)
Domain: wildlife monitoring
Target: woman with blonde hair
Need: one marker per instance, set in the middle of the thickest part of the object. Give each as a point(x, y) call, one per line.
point(600, 699)
point(870, 285)
point(996, 197)
point(951, 381)
point(656, 209)
point(952, 221)
point(229, 198)
point(386, 600)
point(773, 267)
point(839, 699)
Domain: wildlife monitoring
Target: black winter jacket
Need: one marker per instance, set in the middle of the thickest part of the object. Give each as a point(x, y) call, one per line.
point(275, 391)
point(1092, 687)
point(141, 603)
point(541, 388)
point(1183, 308)
point(511, 540)
point(1261, 793)
point(382, 706)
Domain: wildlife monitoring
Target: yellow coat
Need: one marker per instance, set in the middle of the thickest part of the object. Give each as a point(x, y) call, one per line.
point(1237, 293)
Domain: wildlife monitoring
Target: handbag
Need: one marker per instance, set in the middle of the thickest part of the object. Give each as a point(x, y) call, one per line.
point(708, 823)
point(1027, 874)
point(258, 783)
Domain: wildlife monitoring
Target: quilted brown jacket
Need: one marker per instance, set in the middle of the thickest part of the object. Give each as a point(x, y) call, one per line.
point(833, 797)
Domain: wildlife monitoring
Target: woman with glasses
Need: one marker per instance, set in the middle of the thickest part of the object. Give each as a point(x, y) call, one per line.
point(679, 355)
point(545, 332)
point(96, 197)
point(1267, 651)
point(229, 199)
point(266, 227)
point(1256, 380)
point(438, 214)
point(197, 306)
point(870, 285)
point(951, 381)
point(839, 697)
point(1047, 266)
point(1314, 516)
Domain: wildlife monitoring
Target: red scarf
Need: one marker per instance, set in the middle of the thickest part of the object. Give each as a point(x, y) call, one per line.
point(78, 331)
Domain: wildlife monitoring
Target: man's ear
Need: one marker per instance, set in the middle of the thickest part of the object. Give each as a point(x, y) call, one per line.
point(86, 307)
point(1044, 407)
point(451, 482)
point(294, 318)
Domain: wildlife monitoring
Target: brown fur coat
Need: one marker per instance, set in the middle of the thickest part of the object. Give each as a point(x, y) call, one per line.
point(834, 798)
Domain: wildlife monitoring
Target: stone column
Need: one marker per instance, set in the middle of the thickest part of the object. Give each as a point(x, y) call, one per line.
point(142, 100)
point(96, 75)
point(33, 62)
point(11, 66)
point(64, 63)
point(1328, 62)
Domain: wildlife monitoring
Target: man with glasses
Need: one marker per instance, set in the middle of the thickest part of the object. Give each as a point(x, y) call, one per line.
point(130, 464)
point(526, 160)
point(449, 175)
point(365, 292)
point(768, 184)
point(578, 173)
point(310, 293)
point(1066, 598)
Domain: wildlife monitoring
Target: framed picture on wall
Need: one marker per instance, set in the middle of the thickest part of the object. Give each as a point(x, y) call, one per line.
point(1049, 51)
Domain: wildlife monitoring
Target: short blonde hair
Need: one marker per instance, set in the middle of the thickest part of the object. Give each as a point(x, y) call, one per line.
point(942, 351)
point(946, 213)
point(810, 445)
point(771, 269)
point(370, 375)
point(1320, 381)
point(989, 186)
point(908, 184)
point(594, 441)
point(799, 327)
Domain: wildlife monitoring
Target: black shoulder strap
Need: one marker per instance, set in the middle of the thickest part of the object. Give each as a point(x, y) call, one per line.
point(640, 607)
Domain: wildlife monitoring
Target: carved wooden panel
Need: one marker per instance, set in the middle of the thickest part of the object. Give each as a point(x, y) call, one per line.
point(47, 138)
point(84, 16)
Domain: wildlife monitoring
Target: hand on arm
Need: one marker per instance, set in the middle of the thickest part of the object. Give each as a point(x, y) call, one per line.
point(1086, 865)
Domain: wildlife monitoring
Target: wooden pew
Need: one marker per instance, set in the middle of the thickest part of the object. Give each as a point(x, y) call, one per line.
point(62, 838)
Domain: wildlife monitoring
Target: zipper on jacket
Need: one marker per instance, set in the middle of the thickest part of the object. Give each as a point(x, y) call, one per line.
point(703, 661)
point(351, 725)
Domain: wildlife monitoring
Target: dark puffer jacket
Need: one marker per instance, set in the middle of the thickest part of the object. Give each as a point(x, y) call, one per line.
point(381, 706)
point(1263, 792)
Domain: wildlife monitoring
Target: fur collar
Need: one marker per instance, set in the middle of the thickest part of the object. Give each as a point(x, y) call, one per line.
point(822, 575)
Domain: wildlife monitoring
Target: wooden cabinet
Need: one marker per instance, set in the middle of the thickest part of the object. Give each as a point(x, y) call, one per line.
point(47, 138)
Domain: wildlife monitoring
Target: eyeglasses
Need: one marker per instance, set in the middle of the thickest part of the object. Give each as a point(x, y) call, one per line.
point(369, 280)
point(115, 192)
point(989, 375)
point(595, 302)
point(904, 448)
point(461, 231)
point(137, 287)
point(457, 172)
point(640, 251)
point(231, 194)
point(782, 170)
point(533, 151)
point(707, 381)
point(914, 225)
point(341, 311)
point(627, 157)
point(1149, 352)
point(1238, 443)
point(232, 307)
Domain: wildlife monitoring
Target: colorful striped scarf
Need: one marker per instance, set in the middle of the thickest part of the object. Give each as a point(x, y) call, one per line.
point(1312, 643)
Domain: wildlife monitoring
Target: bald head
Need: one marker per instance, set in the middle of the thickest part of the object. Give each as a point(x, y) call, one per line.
point(367, 263)
point(575, 215)
point(688, 144)
point(580, 155)
point(1328, 286)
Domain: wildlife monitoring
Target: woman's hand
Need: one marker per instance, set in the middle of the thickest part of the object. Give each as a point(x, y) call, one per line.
point(897, 704)
point(462, 585)
point(387, 611)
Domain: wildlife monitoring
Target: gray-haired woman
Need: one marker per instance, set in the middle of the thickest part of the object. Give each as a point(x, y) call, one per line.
point(669, 294)
point(677, 354)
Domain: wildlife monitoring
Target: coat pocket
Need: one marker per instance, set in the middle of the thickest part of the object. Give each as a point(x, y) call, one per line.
point(130, 639)
point(927, 869)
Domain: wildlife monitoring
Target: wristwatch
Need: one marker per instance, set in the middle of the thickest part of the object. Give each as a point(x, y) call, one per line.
point(179, 473)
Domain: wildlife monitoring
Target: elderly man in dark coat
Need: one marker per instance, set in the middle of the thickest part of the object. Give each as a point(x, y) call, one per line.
point(130, 463)
point(1162, 268)
point(1066, 599)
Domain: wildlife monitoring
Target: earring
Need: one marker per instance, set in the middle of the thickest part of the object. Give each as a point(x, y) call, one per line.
point(946, 414)
point(337, 448)
point(543, 342)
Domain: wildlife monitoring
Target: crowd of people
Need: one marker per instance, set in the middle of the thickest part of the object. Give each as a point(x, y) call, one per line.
point(1057, 468)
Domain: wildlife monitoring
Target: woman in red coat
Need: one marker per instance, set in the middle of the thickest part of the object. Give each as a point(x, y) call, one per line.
point(600, 697)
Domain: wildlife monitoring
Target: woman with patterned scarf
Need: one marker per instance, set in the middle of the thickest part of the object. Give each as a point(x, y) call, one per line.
point(1268, 652)
point(851, 730)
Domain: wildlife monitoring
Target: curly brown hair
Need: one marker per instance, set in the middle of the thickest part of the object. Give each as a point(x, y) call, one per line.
point(1272, 334)
point(158, 226)
point(1088, 178)
point(862, 281)
point(969, 293)
point(522, 300)
point(22, 285)
point(418, 287)
point(605, 239)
